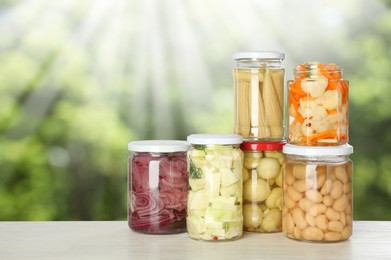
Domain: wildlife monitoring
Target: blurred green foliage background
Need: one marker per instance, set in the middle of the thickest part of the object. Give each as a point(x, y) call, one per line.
point(81, 79)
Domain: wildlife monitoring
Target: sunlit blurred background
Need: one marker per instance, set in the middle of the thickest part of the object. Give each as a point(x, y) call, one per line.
point(80, 79)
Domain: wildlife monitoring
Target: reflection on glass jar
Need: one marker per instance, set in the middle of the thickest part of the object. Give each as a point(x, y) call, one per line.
point(318, 193)
point(262, 186)
point(318, 105)
point(158, 186)
point(215, 194)
point(259, 95)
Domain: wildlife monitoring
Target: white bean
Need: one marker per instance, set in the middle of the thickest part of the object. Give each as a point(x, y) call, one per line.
point(332, 236)
point(332, 214)
point(305, 204)
point(317, 209)
point(294, 194)
point(326, 188)
point(312, 233)
point(321, 222)
point(341, 203)
point(299, 218)
point(289, 223)
point(288, 202)
point(335, 226)
point(337, 189)
point(340, 173)
point(299, 171)
point(303, 185)
point(328, 200)
point(314, 195)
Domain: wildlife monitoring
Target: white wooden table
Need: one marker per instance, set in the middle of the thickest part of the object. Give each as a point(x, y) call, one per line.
point(114, 240)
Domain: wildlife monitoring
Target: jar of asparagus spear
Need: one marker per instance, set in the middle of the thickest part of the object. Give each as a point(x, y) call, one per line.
point(259, 95)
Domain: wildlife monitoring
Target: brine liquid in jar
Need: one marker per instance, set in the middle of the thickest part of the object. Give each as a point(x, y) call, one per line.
point(215, 193)
point(318, 198)
point(262, 186)
point(157, 186)
point(259, 95)
point(318, 105)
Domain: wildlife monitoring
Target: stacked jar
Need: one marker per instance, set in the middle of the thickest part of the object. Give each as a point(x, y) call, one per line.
point(317, 182)
point(259, 118)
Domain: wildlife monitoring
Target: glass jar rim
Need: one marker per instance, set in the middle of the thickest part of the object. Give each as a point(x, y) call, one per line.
point(159, 146)
point(255, 55)
point(340, 150)
point(314, 66)
point(262, 146)
point(205, 139)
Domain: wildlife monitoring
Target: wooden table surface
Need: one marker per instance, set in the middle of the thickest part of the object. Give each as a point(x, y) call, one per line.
point(114, 240)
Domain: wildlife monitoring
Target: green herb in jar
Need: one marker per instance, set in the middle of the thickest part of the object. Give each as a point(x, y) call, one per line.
point(201, 147)
point(195, 173)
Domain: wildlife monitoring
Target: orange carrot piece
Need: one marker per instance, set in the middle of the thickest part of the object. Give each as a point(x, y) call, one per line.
point(292, 101)
point(298, 117)
point(334, 72)
point(332, 67)
point(332, 85)
point(302, 71)
point(345, 88)
point(322, 135)
point(324, 71)
point(308, 98)
point(333, 111)
point(298, 92)
point(295, 88)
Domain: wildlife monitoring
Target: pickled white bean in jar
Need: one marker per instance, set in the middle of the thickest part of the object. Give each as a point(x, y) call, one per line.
point(319, 204)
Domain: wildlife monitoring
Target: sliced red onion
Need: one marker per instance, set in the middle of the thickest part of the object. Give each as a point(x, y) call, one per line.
point(161, 209)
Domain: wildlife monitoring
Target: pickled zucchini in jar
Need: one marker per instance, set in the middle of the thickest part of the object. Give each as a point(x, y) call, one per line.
point(215, 187)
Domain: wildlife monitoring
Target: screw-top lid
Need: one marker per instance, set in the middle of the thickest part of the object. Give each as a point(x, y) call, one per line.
point(345, 149)
point(259, 55)
point(262, 146)
point(214, 139)
point(159, 146)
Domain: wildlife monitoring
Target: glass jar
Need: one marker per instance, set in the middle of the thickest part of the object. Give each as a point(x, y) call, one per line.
point(259, 95)
point(317, 193)
point(262, 186)
point(216, 184)
point(157, 186)
point(318, 105)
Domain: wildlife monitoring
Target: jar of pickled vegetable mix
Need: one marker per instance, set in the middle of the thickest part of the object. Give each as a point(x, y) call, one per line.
point(215, 196)
point(317, 193)
point(262, 186)
point(157, 186)
point(318, 105)
point(259, 95)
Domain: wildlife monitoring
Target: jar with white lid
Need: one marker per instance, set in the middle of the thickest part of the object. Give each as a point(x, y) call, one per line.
point(157, 186)
point(317, 189)
point(262, 186)
point(259, 95)
point(214, 211)
point(318, 105)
